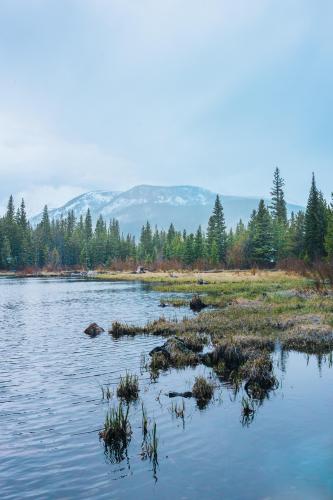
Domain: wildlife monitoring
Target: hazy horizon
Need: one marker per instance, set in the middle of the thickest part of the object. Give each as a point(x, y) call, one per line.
point(112, 94)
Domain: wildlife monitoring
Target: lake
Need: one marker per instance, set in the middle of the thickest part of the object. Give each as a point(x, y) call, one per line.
point(51, 407)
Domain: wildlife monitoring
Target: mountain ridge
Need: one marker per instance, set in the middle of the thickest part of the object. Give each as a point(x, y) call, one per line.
point(185, 205)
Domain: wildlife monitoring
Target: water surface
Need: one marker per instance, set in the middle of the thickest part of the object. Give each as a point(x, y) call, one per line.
point(51, 408)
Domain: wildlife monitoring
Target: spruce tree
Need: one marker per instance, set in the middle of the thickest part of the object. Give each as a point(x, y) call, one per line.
point(278, 205)
point(329, 232)
point(216, 234)
point(315, 224)
point(88, 225)
point(199, 245)
point(296, 236)
point(261, 237)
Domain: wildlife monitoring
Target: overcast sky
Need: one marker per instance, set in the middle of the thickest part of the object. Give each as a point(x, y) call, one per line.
point(107, 94)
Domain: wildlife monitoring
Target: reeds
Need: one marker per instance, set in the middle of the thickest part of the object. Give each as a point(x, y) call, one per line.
point(107, 392)
point(116, 432)
point(258, 373)
point(128, 387)
point(248, 411)
point(196, 303)
point(178, 410)
point(194, 341)
point(121, 329)
point(150, 446)
point(203, 391)
point(144, 422)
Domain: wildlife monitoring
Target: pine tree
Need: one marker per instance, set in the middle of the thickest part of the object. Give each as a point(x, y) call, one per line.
point(189, 250)
point(329, 233)
point(216, 234)
point(88, 225)
point(296, 236)
point(6, 256)
point(10, 215)
point(146, 248)
point(278, 205)
point(23, 221)
point(261, 237)
point(199, 245)
point(315, 224)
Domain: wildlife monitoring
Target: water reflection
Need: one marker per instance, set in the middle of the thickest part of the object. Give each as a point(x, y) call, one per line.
point(51, 410)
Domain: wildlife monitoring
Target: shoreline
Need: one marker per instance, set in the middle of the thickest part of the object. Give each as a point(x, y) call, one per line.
point(173, 277)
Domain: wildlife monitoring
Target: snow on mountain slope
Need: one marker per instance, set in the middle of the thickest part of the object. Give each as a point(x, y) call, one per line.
point(95, 200)
point(185, 206)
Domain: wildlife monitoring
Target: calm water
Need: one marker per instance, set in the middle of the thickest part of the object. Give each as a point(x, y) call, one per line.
point(51, 408)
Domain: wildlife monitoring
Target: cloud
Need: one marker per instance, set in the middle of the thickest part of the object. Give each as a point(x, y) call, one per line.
point(106, 94)
point(45, 168)
point(37, 196)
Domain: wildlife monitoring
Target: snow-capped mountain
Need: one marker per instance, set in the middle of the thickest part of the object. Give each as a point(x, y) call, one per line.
point(185, 206)
point(95, 200)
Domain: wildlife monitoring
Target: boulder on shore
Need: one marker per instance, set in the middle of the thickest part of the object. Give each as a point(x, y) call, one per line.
point(93, 329)
point(171, 347)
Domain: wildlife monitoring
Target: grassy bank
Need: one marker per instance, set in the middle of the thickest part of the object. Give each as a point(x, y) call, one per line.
point(252, 314)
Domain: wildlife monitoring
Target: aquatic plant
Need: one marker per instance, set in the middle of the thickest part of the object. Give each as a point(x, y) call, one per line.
point(310, 339)
point(258, 373)
point(107, 392)
point(203, 391)
point(194, 341)
point(116, 432)
point(144, 421)
point(159, 362)
point(178, 410)
point(174, 353)
point(248, 411)
point(128, 387)
point(150, 446)
point(121, 329)
point(196, 303)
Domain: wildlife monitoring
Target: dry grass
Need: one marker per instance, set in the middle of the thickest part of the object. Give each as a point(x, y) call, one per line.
point(121, 329)
point(194, 341)
point(259, 376)
point(195, 277)
point(310, 339)
point(203, 391)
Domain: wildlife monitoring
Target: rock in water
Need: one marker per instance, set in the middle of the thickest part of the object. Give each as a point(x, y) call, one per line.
point(171, 347)
point(93, 329)
point(186, 394)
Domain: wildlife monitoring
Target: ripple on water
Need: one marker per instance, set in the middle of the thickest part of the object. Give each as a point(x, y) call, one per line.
point(51, 408)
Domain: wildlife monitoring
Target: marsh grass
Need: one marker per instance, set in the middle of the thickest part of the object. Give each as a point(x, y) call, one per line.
point(144, 421)
point(159, 362)
point(174, 353)
point(121, 329)
point(107, 392)
point(176, 302)
point(254, 313)
point(259, 376)
point(128, 387)
point(194, 341)
point(178, 410)
point(116, 433)
point(203, 391)
point(160, 326)
point(149, 448)
point(248, 411)
point(310, 339)
point(196, 303)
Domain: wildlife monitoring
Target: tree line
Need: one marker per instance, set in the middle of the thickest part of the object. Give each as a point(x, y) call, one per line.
point(270, 237)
